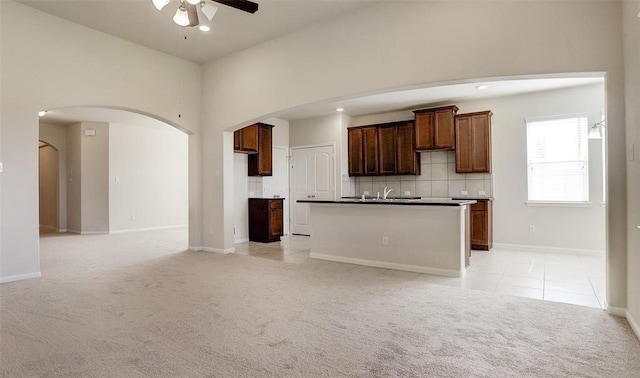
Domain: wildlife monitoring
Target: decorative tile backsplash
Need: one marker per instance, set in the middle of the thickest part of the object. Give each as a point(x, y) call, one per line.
point(438, 178)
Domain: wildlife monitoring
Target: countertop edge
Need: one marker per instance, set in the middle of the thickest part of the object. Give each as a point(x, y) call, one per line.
point(416, 203)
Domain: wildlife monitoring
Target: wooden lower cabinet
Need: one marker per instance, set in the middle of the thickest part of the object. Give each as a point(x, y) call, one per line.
point(482, 225)
point(265, 219)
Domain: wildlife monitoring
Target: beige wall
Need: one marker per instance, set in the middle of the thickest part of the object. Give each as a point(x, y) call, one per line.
point(382, 47)
point(83, 67)
point(74, 174)
point(631, 26)
point(48, 187)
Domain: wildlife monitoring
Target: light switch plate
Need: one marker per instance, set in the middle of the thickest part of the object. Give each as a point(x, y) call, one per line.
point(407, 193)
point(366, 192)
point(252, 194)
point(482, 193)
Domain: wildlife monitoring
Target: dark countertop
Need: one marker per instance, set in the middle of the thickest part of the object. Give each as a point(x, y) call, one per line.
point(396, 201)
point(474, 198)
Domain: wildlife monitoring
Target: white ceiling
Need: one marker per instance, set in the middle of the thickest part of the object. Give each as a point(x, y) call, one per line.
point(232, 30)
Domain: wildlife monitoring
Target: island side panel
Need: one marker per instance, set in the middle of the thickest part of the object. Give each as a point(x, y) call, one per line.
point(427, 239)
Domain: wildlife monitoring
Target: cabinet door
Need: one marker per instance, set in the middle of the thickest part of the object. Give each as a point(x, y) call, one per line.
point(237, 140)
point(387, 150)
point(260, 164)
point(275, 218)
point(463, 144)
point(479, 230)
point(249, 140)
point(354, 137)
point(370, 150)
point(424, 130)
point(443, 128)
point(407, 158)
point(481, 143)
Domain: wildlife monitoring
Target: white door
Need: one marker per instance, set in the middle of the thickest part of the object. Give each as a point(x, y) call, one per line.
point(278, 184)
point(312, 177)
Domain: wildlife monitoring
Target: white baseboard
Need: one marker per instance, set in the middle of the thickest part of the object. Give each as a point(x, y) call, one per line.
point(94, 232)
point(624, 313)
point(46, 227)
point(389, 265)
point(243, 240)
point(74, 231)
point(535, 248)
point(617, 311)
point(148, 229)
point(212, 250)
point(20, 277)
point(62, 230)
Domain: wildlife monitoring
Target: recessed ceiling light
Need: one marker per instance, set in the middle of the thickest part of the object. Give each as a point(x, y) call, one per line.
point(482, 86)
point(339, 109)
point(42, 113)
point(204, 28)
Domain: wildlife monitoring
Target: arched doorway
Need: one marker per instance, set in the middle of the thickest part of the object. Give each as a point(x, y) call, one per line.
point(48, 184)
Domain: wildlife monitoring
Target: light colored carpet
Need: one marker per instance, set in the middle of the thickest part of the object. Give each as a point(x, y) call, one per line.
point(135, 305)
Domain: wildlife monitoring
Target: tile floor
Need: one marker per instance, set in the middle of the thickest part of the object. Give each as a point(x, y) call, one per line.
point(568, 278)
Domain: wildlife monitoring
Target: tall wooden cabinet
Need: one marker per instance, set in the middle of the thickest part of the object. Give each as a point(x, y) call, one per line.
point(261, 164)
point(473, 142)
point(265, 219)
point(370, 150)
point(482, 225)
point(435, 128)
point(256, 141)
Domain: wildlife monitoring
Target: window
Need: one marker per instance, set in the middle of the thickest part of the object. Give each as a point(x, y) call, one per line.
point(557, 159)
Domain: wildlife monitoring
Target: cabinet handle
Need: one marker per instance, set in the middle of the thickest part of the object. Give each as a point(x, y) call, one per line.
point(313, 196)
point(308, 195)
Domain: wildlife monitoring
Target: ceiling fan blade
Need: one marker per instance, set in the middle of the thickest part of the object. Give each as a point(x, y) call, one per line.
point(192, 11)
point(243, 5)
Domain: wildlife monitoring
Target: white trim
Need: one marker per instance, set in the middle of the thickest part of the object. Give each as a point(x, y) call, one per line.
point(20, 277)
point(74, 231)
point(94, 232)
point(617, 311)
point(52, 228)
point(62, 230)
point(389, 265)
point(329, 144)
point(239, 241)
point(194, 248)
point(558, 203)
point(535, 248)
point(218, 250)
point(632, 323)
point(147, 229)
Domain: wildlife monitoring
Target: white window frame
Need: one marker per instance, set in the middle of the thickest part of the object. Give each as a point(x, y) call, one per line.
point(558, 203)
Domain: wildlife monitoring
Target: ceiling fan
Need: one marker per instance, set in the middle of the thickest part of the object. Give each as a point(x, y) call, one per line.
point(187, 13)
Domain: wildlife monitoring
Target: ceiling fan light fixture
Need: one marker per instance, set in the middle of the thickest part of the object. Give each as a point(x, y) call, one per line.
point(159, 4)
point(181, 17)
point(204, 28)
point(208, 9)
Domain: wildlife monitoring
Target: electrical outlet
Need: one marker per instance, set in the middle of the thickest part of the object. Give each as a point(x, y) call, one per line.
point(532, 228)
point(407, 193)
point(482, 193)
point(133, 217)
point(464, 193)
point(385, 240)
point(1, 168)
point(117, 178)
point(252, 194)
point(366, 192)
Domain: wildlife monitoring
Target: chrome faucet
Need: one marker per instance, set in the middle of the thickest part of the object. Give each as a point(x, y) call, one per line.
point(386, 192)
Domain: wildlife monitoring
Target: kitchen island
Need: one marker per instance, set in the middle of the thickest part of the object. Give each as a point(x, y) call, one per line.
point(418, 235)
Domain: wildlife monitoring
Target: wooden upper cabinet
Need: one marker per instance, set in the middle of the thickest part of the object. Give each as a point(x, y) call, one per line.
point(473, 142)
point(355, 149)
point(261, 163)
point(407, 159)
point(387, 150)
point(434, 128)
point(245, 140)
point(370, 150)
